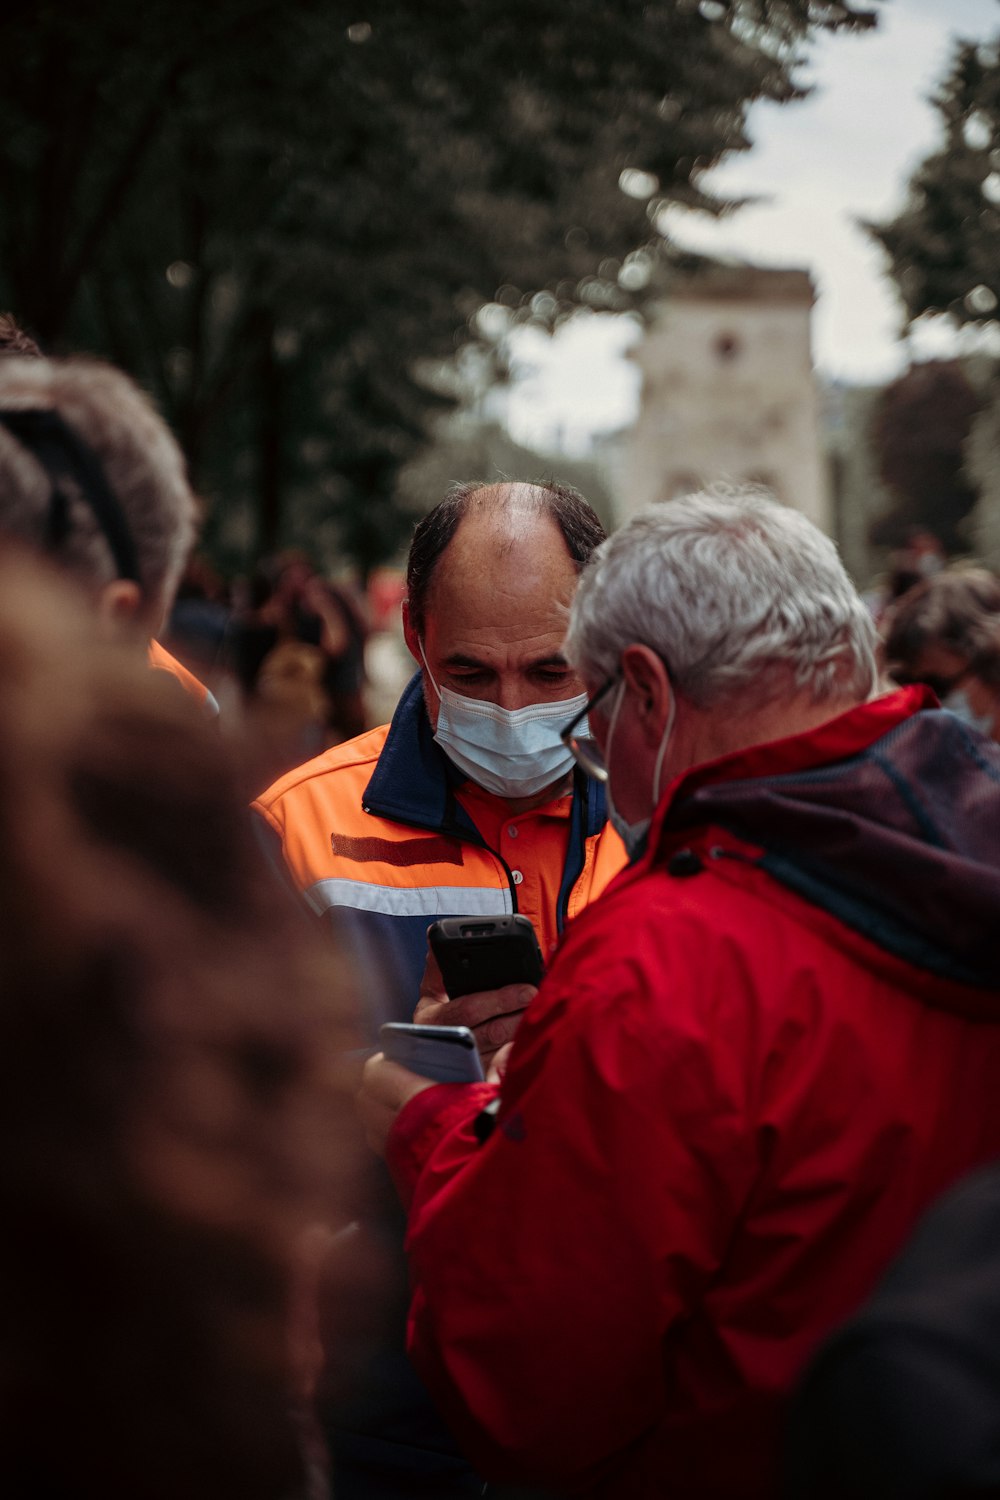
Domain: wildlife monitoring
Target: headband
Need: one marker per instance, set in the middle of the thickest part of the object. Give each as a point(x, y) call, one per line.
point(64, 455)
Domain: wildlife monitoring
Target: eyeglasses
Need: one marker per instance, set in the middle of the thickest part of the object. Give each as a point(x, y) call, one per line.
point(583, 747)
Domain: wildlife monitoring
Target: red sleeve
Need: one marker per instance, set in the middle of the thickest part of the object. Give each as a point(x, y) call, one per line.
point(449, 1111)
point(548, 1264)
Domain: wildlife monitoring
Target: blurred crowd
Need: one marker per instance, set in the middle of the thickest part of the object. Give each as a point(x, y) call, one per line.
point(286, 642)
point(676, 1241)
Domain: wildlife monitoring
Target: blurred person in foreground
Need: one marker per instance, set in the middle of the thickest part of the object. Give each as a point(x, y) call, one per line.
point(946, 633)
point(173, 1108)
point(467, 804)
point(755, 1059)
point(91, 477)
point(903, 1402)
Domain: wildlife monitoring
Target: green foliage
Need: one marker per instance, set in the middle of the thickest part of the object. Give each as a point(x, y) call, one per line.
point(944, 251)
point(944, 246)
point(982, 463)
point(273, 213)
point(919, 429)
point(858, 495)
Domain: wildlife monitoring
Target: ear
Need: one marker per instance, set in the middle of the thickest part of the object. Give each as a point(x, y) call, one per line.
point(119, 608)
point(410, 635)
point(647, 679)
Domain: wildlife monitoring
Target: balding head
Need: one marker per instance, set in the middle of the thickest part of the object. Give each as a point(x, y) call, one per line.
point(500, 516)
point(492, 574)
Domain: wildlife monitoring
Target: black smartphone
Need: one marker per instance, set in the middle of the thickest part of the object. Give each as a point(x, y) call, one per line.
point(485, 953)
point(448, 1054)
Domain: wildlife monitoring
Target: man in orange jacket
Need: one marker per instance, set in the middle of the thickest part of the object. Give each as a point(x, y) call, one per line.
point(755, 1060)
point(467, 804)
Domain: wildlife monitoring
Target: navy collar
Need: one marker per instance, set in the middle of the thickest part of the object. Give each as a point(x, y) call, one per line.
point(414, 782)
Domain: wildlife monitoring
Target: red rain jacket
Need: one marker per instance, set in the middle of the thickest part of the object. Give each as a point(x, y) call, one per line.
point(754, 1061)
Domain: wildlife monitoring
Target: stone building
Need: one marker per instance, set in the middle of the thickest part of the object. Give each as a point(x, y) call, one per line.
point(729, 392)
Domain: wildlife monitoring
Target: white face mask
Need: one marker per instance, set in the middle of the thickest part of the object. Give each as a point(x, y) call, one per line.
point(634, 835)
point(510, 752)
point(957, 703)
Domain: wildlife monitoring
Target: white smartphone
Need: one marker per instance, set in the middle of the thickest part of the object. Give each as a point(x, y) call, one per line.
point(448, 1054)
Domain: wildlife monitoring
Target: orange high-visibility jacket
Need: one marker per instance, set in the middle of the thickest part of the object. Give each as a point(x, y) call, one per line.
point(374, 836)
point(161, 659)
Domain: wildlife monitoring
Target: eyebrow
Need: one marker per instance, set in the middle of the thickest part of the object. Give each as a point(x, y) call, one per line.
point(459, 659)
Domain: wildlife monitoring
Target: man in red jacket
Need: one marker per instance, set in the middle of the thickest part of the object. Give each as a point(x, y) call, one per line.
point(753, 1061)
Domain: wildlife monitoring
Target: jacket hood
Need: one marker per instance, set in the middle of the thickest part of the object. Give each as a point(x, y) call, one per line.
point(898, 837)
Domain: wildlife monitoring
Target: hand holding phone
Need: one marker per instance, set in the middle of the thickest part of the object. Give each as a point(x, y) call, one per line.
point(492, 1013)
point(476, 954)
point(386, 1088)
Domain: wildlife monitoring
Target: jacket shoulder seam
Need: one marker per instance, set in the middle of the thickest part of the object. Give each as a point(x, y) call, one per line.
point(313, 771)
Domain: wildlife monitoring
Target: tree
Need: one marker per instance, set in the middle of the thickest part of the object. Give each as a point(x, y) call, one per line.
point(944, 245)
point(919, 428)
point(982, 460)
point(275, 214)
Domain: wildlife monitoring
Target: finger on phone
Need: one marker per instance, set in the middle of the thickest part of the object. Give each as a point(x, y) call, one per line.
point(431, 983)
point(473, 1010)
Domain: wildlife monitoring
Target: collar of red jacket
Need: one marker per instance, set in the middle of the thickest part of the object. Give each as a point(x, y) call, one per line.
point(846, 735)
point(885, 817)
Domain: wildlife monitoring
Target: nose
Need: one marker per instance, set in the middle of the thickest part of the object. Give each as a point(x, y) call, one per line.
point(513, 692)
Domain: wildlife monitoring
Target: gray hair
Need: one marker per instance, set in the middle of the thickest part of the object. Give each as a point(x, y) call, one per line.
point(142, 464)
point(734, 591)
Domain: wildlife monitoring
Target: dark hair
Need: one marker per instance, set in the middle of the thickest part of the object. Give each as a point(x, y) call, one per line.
point(14, 340)
point(175, 1111)
point(958, 609)
point(581, 527)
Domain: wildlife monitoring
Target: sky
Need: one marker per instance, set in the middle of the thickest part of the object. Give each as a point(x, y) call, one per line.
point(843, 154)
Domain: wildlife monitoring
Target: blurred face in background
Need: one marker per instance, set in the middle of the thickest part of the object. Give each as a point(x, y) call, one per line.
point(959, 686)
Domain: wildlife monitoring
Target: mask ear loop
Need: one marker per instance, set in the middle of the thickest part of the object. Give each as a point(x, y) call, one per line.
point(661, 753)
point(430, 674)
